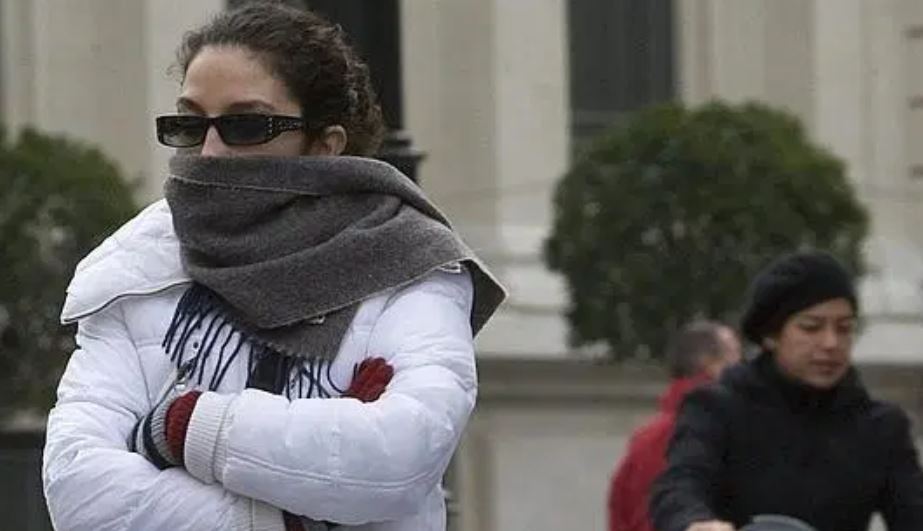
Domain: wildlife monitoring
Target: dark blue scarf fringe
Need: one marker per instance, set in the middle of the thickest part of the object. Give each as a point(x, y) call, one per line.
point(292, 376)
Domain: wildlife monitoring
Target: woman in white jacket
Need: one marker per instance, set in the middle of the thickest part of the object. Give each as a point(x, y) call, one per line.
point(285, 342)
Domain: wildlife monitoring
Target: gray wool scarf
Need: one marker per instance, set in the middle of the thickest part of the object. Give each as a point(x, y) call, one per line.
point(291, 246)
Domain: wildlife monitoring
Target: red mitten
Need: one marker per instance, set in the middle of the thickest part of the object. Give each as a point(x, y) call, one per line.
point(370, 379)
point(161, 434)
point(178, 415)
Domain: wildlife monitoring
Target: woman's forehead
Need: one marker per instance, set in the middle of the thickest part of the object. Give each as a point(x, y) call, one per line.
point(832, 309)
point(228, 79)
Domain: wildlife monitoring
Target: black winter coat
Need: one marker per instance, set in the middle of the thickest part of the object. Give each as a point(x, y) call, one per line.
point(759, 443)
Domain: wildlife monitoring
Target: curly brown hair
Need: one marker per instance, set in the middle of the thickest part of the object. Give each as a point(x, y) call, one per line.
point(311, 56)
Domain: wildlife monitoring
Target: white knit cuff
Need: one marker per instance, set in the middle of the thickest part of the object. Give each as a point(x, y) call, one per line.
point(253, 515)
point(221, 447)
point(203, 433)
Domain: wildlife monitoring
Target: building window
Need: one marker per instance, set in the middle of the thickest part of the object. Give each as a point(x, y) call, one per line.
point(621, 59)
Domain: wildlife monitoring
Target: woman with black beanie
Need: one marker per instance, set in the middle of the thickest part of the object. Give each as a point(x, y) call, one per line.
point(792, 432)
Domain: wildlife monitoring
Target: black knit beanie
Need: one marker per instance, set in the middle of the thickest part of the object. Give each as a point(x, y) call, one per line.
point(790, 284)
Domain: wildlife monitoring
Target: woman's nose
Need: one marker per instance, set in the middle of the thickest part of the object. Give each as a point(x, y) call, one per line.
point(213, 145)
point(829, 337)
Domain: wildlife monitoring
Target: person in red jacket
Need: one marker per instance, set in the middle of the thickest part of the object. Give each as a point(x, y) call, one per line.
point(697, 355)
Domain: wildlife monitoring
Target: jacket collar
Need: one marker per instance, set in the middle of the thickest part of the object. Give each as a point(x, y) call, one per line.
point(677, 391)
point(762, 380)
point(140, 258)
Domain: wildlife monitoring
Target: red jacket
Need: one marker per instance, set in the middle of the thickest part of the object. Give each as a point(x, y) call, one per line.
point(644, 460)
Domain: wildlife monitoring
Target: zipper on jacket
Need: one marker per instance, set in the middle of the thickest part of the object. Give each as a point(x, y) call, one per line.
point(178, 384)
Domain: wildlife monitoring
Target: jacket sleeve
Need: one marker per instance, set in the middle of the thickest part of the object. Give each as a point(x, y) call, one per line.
point(620, 493)
point(685, 492)
point(343, 460)
point(91, 480)
point(902, 500)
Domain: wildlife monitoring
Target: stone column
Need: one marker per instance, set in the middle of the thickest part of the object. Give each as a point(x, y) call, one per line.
point(82, 73)
point(17, 72)
point(738, 51)
point(892, 55)
point(96, 72)
point(486, 98)
point(167, 21)
point(839, 85)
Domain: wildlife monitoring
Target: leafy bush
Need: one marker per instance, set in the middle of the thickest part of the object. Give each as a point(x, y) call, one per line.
point(58, 199)
point(667, 219)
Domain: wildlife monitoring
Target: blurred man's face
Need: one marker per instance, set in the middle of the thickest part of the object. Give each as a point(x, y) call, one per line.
point(729, 354)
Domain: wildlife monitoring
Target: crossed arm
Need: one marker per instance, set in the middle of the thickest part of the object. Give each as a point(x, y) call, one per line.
point(336, 460)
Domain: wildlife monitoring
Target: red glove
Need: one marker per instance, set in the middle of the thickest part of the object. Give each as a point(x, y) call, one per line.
point(178, 415)
point(160, 435)
point(370, 379)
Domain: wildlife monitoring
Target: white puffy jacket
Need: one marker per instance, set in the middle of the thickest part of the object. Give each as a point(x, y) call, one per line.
point(249, 454)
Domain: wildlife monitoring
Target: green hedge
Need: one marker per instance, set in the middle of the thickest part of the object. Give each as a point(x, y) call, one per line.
point(667, 218)
point(58, 199)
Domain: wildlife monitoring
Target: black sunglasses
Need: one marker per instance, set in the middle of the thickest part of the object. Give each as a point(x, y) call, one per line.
point(189, 130)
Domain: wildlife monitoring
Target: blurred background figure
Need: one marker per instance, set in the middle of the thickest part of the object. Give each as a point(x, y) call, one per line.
point(792, 432)
point(696, 355)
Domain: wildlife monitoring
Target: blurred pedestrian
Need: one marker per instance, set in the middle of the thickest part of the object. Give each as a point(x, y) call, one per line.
point(792, 432)
point(696, 354)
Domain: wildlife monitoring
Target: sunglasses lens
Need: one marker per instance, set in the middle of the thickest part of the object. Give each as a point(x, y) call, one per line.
point(244, 129)
point(181, 131)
